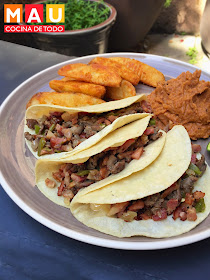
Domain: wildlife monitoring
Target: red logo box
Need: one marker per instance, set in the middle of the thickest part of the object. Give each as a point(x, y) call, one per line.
point(34, 13)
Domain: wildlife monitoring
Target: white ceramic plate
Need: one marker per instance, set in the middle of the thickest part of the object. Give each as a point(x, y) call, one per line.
point(17, 163)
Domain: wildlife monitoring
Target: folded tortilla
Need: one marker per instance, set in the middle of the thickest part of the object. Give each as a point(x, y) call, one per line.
point(171, 164)
point(37, 111)
point(44, 168)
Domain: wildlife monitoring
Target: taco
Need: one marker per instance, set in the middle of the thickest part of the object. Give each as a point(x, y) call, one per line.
point(119, 154)
point(167, 198)
point(55, 131)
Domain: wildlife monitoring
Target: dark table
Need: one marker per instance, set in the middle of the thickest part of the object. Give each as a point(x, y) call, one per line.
point(29, 250)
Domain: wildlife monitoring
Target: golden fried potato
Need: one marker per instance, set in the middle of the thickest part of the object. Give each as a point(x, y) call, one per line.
point(66, 99)
point(125, 90)
point(94, 73)
point(126, 73)
point(147, 74)
point(79, 87)
point(69, 67)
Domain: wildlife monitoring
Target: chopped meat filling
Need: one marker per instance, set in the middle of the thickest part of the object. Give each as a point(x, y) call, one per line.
point(62, 131)
point(98, 167)
point(178, 200)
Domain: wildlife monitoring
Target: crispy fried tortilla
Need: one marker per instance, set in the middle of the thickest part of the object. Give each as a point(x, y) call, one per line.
point(38, 111)
point(49, 170)
point(162, 173)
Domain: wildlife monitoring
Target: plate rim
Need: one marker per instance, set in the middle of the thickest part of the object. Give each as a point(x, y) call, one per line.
point(163, 243)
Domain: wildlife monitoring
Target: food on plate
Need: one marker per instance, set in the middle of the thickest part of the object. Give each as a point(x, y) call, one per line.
point(125, 73)
point(167, 198)
point(122, 152)
point(55, 131)
point(78, 87)
point(184, 100)
point(147, 74)
point(125, 90)
point(94, 73)
point(66, 99)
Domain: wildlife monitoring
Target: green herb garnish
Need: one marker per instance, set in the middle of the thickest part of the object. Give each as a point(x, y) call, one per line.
point(80, 14)
point(167, 3)
point(192, 53)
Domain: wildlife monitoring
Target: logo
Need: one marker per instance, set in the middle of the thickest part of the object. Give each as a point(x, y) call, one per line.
point(34, 14)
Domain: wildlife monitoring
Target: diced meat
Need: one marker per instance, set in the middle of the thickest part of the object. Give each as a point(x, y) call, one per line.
point(151, 200)
point(189, 198)
point(176, 213)
point(193, 158)
point(160, 215)
point(191, 214)
point(149, 131)
point(31, 123)
point(57, 176)
point(56, 142)
point(77, 129)
point(68, 193)
point(111, 162)
point(186, 184)
point(139, 204)
point(198, 195)
point(196, 148)
point(112, 118)
point(49, 183)
point(201, 164)
point(67, 133)
point(29, 137)
point(94, 175)
point(125, 146)
point(137, 154)
point(77, 178)
point(171, 205)
point(60, 189)
point(183, 216)
point(118, 167)
point(107, 122)
point(104, 172)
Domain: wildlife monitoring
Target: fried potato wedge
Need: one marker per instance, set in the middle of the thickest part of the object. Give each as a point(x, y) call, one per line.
point(69, 67)
point(94, 73)
point(147, 74)
point(126, 73)
point(125, 90)
point(79, 87)
point(66, 99)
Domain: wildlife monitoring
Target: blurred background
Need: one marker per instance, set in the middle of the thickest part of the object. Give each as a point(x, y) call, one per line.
point(175, 28)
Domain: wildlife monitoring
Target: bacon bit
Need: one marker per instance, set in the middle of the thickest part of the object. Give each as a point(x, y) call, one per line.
point(198, 195)
point(67, 133)
point(49, 183)
point(107, 122)
point(137, 154)
point(160, 215)
point(149, 131)
point(118, 207)
point(176, 213)
point(104, 172)
point(105, 160)
point(196, 148)
point(169, 190)
point(139, 204)
point(100, 121)
point(126, 145)
point(59, 129)
point(172, 204)
point(74, 121)
point(144, 216)
point(68, 193)
point(189, 198)
point(193, 158)
point(183, 216)
point(146, 106)
point(181, 40)
point(57, 176)
point(77, 178)
point(56, 142)
point(112, 118)
point(60, 189)
point(191, 214)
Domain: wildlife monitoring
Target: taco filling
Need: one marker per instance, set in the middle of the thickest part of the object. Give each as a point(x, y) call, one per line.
point(178, 200)
point(62, 131)
point(73, 177)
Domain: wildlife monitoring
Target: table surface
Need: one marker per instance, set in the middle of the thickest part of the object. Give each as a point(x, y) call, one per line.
point(29, 250)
